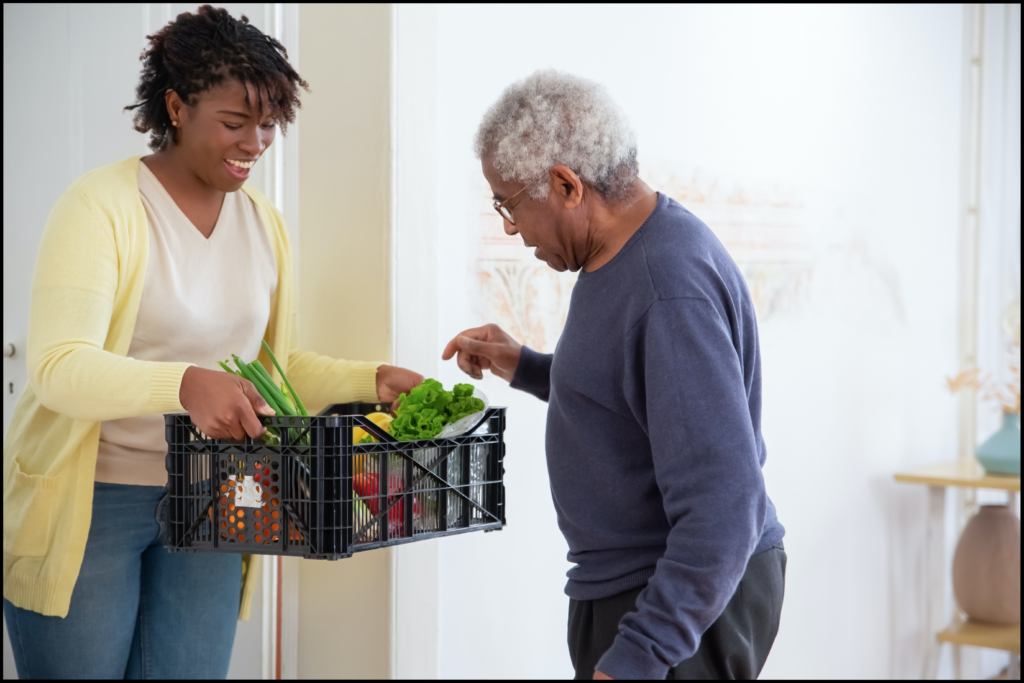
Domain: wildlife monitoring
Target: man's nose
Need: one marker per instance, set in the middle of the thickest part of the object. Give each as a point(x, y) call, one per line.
point(510, 229)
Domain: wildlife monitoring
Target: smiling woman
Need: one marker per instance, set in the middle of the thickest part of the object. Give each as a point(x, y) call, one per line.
point(212, 93)
point(217, 141)
point(150, 270)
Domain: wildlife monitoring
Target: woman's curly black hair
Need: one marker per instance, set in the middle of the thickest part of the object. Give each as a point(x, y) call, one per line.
point(196, 52)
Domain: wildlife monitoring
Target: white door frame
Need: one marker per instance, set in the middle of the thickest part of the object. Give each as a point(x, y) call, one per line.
point(415, 578)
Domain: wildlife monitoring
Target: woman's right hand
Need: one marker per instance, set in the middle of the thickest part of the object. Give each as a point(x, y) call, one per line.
point(222, 405)
point(487, 347)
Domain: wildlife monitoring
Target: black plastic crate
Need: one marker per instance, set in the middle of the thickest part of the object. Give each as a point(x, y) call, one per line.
point(313, 493)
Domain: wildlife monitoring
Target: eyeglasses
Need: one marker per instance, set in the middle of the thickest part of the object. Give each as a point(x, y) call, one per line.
point(505, 206)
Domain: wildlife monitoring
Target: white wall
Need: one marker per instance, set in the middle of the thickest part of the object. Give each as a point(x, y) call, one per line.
point(823, 145)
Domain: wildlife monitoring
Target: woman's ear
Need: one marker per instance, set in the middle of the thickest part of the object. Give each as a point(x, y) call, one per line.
point(567, 185)
point(174, 105)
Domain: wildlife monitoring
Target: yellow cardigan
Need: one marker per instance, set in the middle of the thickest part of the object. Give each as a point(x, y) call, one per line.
point(86, 290)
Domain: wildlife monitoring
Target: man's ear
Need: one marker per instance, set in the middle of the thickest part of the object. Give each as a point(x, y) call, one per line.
point(566, 185)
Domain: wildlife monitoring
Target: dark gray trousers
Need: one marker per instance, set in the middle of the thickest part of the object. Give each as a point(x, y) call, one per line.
point(735, 647)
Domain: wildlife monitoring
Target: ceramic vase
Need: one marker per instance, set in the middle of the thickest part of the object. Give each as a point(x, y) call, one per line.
point(986, 566)
point(1000, 453)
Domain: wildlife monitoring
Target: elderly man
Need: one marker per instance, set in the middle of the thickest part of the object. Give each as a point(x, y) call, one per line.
point(654, 443)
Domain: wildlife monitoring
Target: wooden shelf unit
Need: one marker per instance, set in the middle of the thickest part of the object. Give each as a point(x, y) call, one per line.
point(977, 634)
point(961, 631)
point(960, 474)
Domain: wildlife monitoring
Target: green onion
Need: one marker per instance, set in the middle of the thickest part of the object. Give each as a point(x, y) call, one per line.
point(284, 377)
point(267, 385)
point(249, 374)
point(284, 401)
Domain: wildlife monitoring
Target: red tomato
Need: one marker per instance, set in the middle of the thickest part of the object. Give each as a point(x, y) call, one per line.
point(367, 486)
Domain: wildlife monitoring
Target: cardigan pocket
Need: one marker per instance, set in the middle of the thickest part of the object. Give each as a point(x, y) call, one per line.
point(29, 511)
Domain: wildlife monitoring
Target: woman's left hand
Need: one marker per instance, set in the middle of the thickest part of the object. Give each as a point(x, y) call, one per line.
point(393, 380)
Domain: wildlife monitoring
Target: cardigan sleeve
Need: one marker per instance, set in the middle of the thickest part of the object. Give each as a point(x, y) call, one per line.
point(78, 278)
point(322, 380)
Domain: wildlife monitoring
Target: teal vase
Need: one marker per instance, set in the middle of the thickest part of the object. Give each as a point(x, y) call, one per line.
point(1000, 453)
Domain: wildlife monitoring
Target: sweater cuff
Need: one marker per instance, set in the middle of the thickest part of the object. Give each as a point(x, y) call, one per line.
point(532, 373)
point(363, 378)
point(624, 659)
point(165, 387)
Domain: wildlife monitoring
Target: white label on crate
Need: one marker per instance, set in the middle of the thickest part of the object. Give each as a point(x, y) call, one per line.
point(248, 493)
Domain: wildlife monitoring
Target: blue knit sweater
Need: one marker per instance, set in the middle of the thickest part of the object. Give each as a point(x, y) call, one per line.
point(653, 437)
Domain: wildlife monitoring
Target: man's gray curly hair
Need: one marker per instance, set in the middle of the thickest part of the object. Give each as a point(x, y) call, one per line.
point(553, 118)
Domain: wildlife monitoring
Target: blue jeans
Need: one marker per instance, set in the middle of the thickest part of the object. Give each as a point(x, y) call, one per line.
point(137, 610)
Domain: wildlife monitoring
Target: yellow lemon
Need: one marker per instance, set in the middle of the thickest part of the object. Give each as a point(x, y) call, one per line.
point(382, 420)
point(361, 462)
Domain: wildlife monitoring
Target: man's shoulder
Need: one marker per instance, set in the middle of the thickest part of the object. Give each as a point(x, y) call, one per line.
point(684, 256)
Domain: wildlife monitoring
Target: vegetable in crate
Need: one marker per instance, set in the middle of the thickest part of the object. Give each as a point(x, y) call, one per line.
point(427, 408)
point(360, 436)
point(367, 486)
point(382, 420)
point(283, 400)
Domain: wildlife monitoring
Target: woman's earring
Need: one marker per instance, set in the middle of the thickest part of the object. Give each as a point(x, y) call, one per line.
point(174, 123)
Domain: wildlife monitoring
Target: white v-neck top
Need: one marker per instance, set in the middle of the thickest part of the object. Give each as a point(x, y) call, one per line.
point(203, 300)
